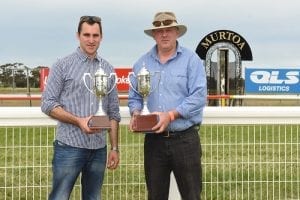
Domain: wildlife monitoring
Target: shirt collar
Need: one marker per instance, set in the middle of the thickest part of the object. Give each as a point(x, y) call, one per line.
point(83, 56)
point(154, 54)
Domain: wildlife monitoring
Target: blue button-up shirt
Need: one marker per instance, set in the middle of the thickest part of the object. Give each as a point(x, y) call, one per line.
point(179, 84)
point(66, 88)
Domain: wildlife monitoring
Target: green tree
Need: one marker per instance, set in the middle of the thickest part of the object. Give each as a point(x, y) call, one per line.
point(19, 75)
point(5, 73)
point(20, 78)
point(35, 77)
point(8, 74)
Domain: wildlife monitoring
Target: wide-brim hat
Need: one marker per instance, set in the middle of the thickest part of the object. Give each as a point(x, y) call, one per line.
point(165, 20)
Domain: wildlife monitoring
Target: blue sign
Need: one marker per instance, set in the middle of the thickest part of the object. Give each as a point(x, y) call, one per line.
point(272, 80)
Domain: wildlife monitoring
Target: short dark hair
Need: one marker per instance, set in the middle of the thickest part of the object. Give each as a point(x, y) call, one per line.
point(90, 20)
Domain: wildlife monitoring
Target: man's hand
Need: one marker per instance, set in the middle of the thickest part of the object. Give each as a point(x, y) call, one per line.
point(164, 120)
point(83, 125)
point(113, 159)
point(134, 114)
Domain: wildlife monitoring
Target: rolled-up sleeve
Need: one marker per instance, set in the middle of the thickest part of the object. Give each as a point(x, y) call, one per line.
point(51, 94)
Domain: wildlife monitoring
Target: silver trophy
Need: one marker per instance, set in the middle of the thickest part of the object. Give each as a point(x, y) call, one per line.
point(145, 86)
point(100, 89)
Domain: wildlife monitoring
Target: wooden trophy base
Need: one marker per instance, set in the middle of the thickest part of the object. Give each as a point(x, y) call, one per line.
point(144, 123)
point(99, 122)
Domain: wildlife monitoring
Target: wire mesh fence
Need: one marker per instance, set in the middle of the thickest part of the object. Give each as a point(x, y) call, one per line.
point(257, 161)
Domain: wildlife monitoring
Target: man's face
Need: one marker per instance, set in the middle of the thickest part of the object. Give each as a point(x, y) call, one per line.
point(89, 38)
point(166, 38)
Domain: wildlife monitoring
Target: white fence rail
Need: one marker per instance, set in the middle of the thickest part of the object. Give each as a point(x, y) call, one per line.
point(32, 116)
point(248, 153)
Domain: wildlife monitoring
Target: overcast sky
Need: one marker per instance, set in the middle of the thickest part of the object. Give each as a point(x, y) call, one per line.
point(38, 32)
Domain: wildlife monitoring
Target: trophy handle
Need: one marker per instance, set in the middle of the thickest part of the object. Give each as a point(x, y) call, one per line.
point(84, 77)
point(129, 81)
point(115, 82)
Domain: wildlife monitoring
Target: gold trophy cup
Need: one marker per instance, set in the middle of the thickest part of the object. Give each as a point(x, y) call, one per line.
point(145, 121)
point(100, 89)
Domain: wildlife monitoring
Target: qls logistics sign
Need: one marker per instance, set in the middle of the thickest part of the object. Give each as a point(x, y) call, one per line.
point(272, 80)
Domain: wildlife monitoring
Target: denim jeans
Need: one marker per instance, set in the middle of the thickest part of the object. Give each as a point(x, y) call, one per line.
point(182, 155)
point(68, 162)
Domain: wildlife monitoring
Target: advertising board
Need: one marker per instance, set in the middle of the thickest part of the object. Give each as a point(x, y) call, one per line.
point(283, 80)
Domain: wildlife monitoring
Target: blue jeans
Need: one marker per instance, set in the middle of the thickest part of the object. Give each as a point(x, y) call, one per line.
point(180, 154)
point(68, 162)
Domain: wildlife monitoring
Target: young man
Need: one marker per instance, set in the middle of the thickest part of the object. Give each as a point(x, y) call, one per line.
point(77, 147)
point(178, 100)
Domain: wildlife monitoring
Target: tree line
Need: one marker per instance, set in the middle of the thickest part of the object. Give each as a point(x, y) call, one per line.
point(19, 75)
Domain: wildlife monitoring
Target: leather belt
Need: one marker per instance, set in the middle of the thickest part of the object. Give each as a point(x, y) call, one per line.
point(175, 134)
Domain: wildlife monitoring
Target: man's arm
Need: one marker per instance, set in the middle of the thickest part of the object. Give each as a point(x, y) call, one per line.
point(60, 114)
point(113, 155)
point(113, 134)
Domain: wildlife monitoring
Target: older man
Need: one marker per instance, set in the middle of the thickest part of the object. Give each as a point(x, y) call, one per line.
point(173, 144)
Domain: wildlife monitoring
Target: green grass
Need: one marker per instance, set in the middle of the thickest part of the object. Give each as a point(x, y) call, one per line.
point(239, 162)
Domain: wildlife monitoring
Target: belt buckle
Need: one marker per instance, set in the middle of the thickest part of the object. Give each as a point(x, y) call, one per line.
point(168, 134)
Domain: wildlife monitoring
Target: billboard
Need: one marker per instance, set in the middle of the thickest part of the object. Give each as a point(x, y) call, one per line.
point(283, 80)
point(122, 78)
point(44, 72)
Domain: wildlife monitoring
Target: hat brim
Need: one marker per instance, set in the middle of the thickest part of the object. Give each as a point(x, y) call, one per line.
point(181, 28)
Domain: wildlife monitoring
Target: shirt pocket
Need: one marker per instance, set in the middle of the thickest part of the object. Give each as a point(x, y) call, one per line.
point(177, 80)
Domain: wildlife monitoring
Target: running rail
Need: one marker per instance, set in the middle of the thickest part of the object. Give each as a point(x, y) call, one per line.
point(33, 116)
point(125, 97)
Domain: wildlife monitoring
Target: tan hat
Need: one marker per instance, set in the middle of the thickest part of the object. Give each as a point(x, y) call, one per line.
point(165, 20)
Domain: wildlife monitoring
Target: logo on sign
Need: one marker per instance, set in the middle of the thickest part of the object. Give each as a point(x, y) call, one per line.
point(282, 80)
point(44, 72)
point(265, 77)
point(122, 80)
